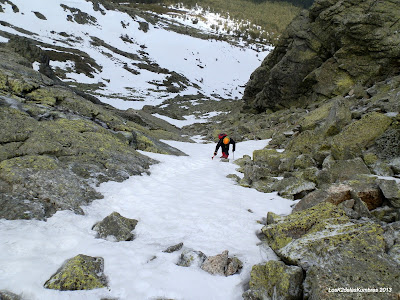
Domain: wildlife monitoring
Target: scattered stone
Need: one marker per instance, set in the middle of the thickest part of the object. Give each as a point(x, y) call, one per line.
point(222, 264)
point(6, 295)
point(190, 257)
point(81, 272)
point(174, 248)
point(234, 266)
point(217, 264)
point(115, 228)
point(234, 177)
point(275, 280)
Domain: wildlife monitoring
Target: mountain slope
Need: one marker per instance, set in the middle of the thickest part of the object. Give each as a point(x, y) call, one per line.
point(122, 58)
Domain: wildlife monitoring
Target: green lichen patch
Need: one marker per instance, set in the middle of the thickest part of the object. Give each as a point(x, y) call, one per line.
point(21, 87)
point(301, 223)
point(10, 169)
point(81, 272)
point(306, 142)
point(275, 280)
point(359, 134)
point(350, 239)
point(44, 96)
point(315, 117)
point(3, 81)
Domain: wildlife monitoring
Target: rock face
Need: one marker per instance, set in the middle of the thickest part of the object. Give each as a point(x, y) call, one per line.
point(115, 228)
point(81, 272)
point(327, 51)
point(333, 250)
point(56, 143)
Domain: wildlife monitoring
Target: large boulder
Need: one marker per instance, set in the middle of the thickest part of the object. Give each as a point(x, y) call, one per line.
point(275, 280)
point(336, 251)
point(335, 194)
point(81, 272)
point(325, 52)
point(298, 224)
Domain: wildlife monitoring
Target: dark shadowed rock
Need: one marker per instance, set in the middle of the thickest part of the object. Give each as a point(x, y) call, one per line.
point(391, 191)
point(327, 51)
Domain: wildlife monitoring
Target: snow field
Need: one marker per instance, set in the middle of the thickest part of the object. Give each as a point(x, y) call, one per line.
point(185, 199)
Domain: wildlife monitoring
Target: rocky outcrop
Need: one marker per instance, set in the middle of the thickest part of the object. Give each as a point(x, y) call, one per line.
point(55, 145)
point(332, 49)
point(81, 272)
point(333, 251)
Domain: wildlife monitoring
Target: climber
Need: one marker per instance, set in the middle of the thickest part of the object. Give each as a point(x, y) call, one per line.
point(224, 142)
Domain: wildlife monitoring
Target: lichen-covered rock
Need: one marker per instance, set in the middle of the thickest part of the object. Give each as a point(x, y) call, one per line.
point(356, 276)
point(273, 218)
point(304, 161)
point(190, 257)
point(327, 52)
point(335, 194)
point(358, 135)
point(391, 191)
point(57, 143)
point(275, 280)
point(298, 224)
point(269, 158)
point(314, 248)
point(341, 170)
point(81, 272)
point(334, 251)
point(115, 228)
point(293, 187)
